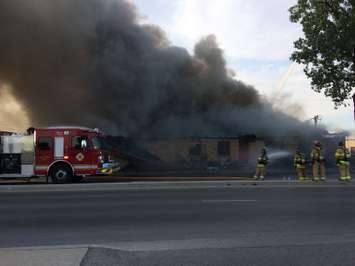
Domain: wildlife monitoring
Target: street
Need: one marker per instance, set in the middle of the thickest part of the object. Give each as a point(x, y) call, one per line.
point(217, 223)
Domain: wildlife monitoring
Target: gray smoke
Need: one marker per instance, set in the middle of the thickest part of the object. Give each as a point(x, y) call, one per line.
point(90, 62)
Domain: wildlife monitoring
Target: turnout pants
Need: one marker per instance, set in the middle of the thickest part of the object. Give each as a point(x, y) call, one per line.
point(260, 171)
point(318, 169)
point(344, 170)
point(301, 172)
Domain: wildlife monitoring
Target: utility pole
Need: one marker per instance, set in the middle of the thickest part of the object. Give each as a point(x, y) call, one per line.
point(316, 120)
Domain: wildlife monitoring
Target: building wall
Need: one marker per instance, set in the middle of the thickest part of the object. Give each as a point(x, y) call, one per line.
point(168, 150)
point(350, 144)
point(179, 150)
point(210, 149)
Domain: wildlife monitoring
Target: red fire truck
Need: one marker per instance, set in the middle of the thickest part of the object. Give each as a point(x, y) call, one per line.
point(62, 154)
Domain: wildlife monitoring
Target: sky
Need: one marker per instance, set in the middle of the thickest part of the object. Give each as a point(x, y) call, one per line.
point(257, 38)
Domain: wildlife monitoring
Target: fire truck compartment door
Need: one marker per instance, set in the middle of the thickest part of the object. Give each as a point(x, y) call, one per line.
point(58, 147)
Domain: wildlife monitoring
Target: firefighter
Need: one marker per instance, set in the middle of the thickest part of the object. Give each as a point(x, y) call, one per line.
point(299, 162)
point(261, 165)
point(318, 162)
point(342, 156)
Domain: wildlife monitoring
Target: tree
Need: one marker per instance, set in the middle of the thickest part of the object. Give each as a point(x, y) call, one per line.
point(328, 47)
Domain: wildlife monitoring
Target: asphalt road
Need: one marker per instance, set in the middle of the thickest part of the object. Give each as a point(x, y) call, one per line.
point(236, 225)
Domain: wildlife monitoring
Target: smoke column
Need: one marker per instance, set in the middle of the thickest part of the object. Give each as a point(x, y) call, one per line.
point(90, 62)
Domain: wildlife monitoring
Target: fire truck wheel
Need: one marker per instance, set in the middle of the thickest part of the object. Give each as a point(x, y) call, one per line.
point(61, 173)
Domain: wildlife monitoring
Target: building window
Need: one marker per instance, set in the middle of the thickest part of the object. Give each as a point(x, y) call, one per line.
point(45, 143)
point(80, 142)
point(224, 148)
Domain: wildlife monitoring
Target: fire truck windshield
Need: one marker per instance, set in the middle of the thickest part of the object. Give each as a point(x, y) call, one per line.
point(96, 143)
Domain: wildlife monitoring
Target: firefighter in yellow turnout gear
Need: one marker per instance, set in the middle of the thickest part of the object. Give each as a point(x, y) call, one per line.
point(299, 162)
point(261, 165)
point(318, 162)
point(342, 156)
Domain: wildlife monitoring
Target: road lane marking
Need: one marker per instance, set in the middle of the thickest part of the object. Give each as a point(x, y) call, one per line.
point(228, 200)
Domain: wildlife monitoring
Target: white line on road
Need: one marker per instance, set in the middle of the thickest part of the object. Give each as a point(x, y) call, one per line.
point(228, 200)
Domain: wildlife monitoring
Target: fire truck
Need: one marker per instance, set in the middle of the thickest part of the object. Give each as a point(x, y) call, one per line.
point(61, 154)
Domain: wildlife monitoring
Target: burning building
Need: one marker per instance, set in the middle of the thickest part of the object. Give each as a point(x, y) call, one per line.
point(218, 153)
point(201, 153)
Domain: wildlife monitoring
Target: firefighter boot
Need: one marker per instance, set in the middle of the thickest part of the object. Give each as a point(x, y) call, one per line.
point(303, 178)
point(301, 174)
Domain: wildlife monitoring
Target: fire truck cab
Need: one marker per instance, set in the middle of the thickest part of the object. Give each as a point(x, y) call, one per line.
point(62, 154)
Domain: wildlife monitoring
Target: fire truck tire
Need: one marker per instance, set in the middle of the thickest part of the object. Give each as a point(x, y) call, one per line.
point(61, 173)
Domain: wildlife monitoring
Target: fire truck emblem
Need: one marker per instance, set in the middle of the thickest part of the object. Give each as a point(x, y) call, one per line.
point(80, 156)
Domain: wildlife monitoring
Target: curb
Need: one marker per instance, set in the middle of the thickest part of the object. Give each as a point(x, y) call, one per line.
point(167, 185)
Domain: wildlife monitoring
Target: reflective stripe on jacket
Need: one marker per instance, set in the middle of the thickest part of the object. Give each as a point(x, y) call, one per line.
point(299, 161)
point(342, 155)
point(263, 160)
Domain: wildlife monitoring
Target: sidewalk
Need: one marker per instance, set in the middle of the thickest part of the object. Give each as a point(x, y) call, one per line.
point(43, 256)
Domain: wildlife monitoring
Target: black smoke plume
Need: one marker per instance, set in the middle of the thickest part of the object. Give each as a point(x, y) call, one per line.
point(91, 62)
